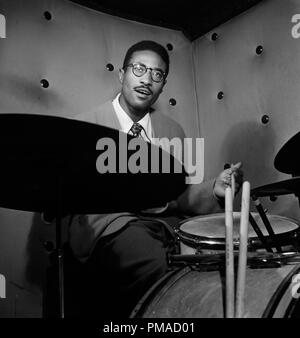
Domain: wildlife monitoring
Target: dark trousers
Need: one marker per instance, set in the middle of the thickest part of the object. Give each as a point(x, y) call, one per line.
point(124, 265)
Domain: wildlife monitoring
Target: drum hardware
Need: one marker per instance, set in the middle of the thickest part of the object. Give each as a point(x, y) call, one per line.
point(254, 259)
point(259, 234)
point(49, 166)
point(176, 230)
point(274, 260)
point(266, 222)
point(295, 241)
point(289, 186)
point(198, 247)
point(201, 262)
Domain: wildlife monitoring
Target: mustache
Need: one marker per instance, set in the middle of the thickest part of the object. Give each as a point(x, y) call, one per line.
point(145, 88)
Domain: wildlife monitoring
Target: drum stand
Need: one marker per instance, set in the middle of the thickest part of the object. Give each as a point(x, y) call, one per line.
point(58, 252)
point(60, 262)
point(259, 233)
point(267, 224)
point(59, 249)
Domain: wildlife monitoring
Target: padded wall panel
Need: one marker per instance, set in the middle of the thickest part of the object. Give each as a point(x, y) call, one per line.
point(71, 52)
point(253, 85)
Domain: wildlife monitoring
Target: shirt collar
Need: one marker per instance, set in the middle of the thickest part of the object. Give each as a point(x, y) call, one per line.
point(126, 121)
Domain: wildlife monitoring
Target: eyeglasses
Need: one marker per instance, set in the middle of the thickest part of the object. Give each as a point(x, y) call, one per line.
point(138, 69)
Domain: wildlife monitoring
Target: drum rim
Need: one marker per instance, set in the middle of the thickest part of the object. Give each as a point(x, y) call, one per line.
point(218, 214)
point(219, 242)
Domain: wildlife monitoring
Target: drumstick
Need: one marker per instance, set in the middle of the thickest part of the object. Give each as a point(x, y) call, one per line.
point(229, 254)
point(233, 185)
point(241, 275)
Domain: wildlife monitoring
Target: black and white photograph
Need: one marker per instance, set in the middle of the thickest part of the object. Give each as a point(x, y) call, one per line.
point(149, 176)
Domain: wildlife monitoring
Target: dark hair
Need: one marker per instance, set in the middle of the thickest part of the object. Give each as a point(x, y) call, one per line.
point(148, 45)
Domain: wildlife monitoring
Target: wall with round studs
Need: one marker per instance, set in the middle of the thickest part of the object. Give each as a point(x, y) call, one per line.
point(248, 83)
point(68, 64)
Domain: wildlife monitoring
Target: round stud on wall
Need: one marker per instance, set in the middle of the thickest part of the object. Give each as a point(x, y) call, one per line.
point(259, 50)
point(220, 95)
point(214, 36)
point(44, 83)
point(265, 119)
point(172, 102)
point(169, 46)
point(47, 15)
point(110, 67)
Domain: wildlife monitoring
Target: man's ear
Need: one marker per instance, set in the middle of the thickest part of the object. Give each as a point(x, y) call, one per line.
point(162, 87)
point(121, 75)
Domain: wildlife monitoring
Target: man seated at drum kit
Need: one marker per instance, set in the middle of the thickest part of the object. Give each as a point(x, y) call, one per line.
point(124, 253)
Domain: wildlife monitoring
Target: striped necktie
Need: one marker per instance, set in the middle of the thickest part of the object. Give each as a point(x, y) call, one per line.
point(136, 129)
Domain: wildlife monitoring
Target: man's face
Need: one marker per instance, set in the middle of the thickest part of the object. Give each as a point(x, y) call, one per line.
point(139, 93)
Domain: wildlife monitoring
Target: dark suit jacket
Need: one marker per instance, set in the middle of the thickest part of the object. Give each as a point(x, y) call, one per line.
point(162, 125)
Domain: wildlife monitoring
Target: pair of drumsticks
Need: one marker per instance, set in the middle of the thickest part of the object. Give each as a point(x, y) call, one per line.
point(235, 309)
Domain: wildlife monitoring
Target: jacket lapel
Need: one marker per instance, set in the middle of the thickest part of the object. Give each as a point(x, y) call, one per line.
point(157, 126)
point(109, 117)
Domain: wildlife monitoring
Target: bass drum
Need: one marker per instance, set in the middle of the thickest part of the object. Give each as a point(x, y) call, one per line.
point(189, 293)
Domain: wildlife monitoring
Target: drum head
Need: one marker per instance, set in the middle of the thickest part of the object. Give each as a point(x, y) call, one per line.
point(213, 226)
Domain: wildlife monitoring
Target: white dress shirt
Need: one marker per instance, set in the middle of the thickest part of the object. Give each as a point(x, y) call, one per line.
point(126, 121)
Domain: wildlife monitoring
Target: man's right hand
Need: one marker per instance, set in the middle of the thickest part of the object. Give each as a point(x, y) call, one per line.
point(224, 180)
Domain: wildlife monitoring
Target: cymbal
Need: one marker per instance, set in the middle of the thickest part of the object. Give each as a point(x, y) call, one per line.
point(48, 163)
point(290, 186)
point(286, 160)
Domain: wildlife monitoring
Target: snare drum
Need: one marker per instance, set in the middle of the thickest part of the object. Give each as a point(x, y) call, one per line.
point(206, 234)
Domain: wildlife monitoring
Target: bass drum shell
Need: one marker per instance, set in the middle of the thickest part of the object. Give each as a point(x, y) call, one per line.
point(189, 293)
